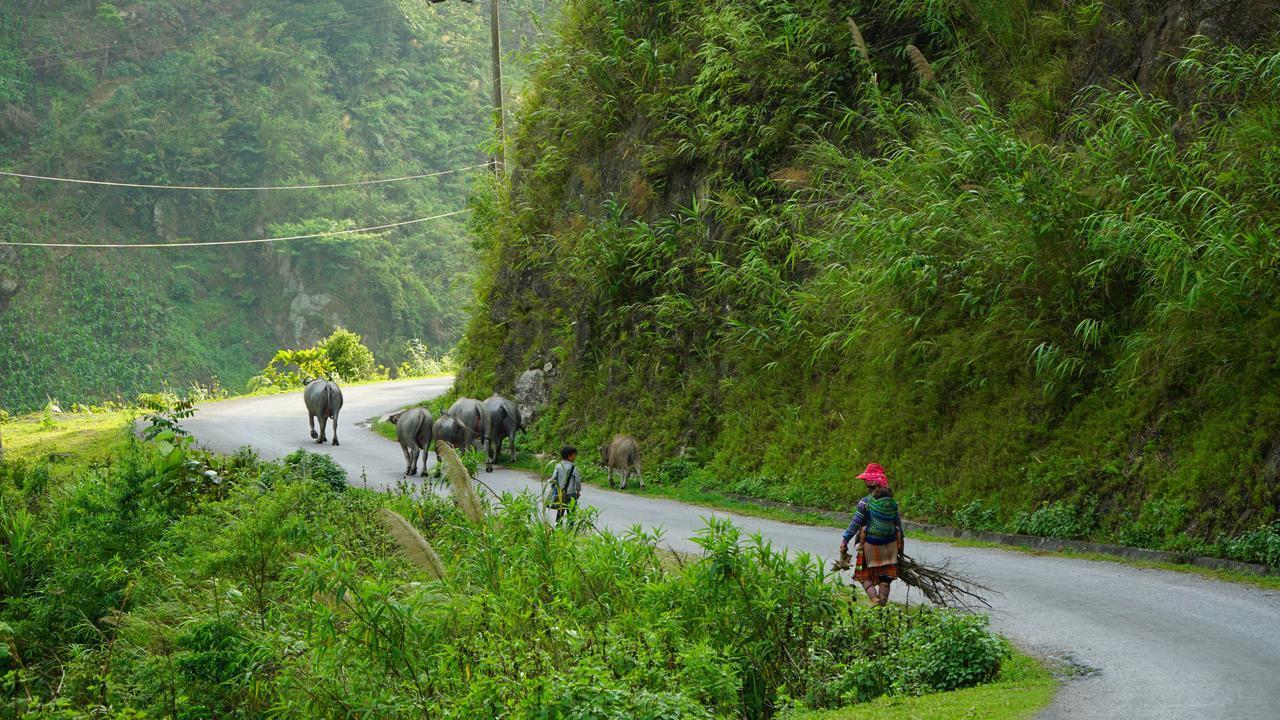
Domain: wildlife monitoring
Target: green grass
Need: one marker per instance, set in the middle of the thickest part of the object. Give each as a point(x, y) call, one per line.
point(385, 429)
point(1023, 689)
point(66, 439)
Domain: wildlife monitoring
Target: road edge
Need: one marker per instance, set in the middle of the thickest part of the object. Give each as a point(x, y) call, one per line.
point(1038, 543)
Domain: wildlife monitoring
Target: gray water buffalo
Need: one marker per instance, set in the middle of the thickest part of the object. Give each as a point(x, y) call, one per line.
point(504, 422)
point(324, 400)
point(473, 416)
point(622, 454)
point(448, 429)
point(413, 430)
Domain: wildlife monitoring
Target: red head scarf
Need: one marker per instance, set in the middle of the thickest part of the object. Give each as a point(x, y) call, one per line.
point(874, 476)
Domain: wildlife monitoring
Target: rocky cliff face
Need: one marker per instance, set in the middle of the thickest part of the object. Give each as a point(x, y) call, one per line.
point(1143, 37)
point(303, 314)
point(784, 245)
point(1132, 43)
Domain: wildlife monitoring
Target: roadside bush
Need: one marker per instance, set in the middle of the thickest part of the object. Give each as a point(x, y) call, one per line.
point(350, 358)
point(978, 515)
point(214, 662)
point(674, 471)
point(282, 597)
point(1156, 525)
point(1260, 545)
point(102, 524)
point(754, 486)
point(950, 650)
point(340, 357)
point(526, 611)
point(420, 362)
point(318, 467)
point(472, 459)
point(308, 364)
point(905, 651)
point(1057, 520)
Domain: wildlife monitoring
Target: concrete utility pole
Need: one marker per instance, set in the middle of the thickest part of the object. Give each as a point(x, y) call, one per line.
point(495, 39)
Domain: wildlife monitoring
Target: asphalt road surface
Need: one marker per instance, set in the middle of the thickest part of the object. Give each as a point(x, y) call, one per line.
point(1146, 643)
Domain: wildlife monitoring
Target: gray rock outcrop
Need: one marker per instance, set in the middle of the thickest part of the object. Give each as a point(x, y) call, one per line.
point(532, 394)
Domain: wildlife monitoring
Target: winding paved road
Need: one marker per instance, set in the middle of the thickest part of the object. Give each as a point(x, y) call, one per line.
point(1154, 644)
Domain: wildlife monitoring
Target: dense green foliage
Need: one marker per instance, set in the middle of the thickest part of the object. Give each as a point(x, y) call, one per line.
point(165, 583)
point(785, 245)
point(232, 94)
point(340, 357)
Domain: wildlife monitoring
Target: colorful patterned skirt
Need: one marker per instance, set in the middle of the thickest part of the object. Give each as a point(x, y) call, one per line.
point(876, 563)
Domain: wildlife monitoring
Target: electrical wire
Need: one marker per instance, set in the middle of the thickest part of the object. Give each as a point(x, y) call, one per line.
point(116, 246)
point(111, 183)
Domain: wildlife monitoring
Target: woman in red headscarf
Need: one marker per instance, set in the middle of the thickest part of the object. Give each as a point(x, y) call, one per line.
point(877, 525)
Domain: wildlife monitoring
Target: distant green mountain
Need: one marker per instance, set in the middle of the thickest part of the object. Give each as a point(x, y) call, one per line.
point(1024, 254)
point(236, 93)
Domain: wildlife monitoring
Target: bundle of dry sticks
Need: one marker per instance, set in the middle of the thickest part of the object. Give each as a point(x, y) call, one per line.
point(941, 585)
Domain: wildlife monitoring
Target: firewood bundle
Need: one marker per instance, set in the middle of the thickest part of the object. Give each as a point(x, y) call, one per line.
point(941, 585)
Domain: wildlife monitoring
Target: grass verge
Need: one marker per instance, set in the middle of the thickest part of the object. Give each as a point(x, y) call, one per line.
point(66, 438)
point(1023, 688)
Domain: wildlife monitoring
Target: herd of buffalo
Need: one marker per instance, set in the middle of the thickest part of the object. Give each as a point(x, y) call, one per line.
point(485, 425)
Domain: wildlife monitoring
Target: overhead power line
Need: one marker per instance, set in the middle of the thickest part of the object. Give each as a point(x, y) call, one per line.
point(237, 188)
point(257, 241)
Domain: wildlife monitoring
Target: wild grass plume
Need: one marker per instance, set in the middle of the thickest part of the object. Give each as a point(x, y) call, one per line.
point(858, 42)
point(464, 493)
point(411, 542)
point(923, 70)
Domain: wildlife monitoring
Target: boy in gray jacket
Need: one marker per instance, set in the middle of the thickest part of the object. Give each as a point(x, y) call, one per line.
point(566, 483)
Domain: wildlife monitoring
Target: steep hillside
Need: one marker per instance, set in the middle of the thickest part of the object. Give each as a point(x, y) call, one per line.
point(234, 93)
point(1023, 254)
